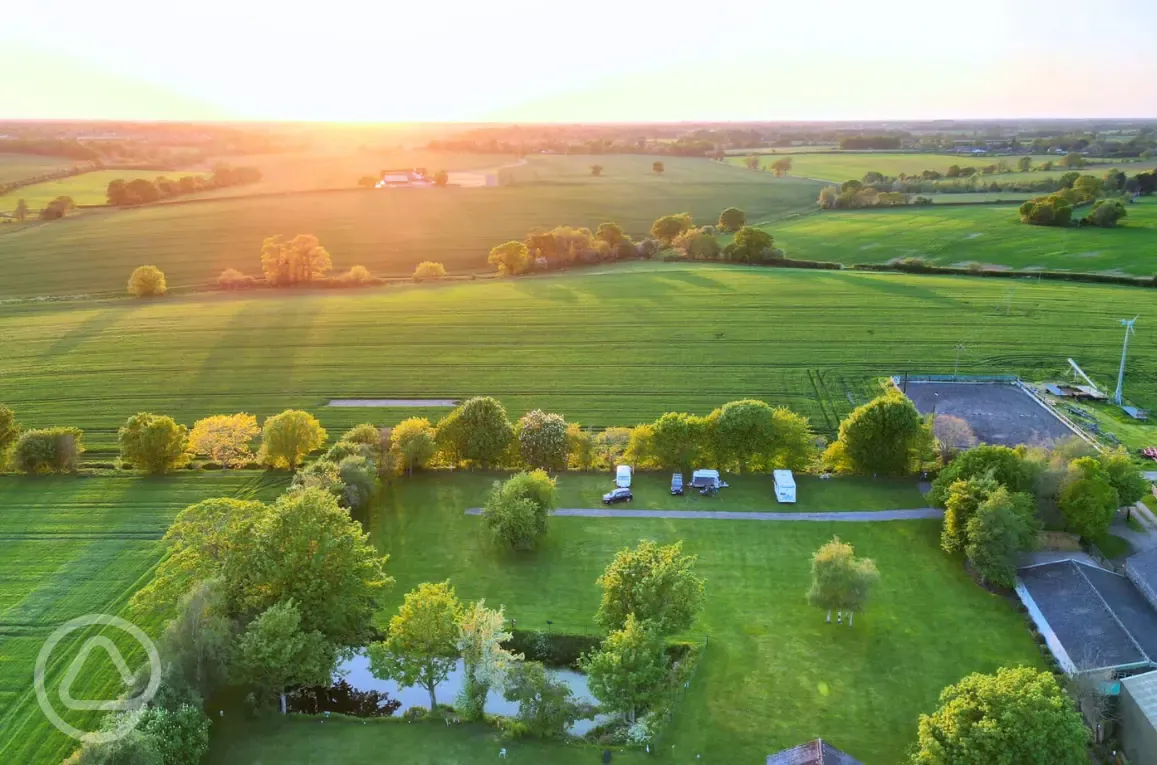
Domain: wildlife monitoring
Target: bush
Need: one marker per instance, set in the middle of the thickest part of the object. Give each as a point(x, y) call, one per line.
point(288, 437)
point(358, 276)
point(154, 443)
point(232, 279)
point(1007, 467)
point(359, 477)
point(429, 269)
point(546, 707)
point(147, 281)
point(51, 450)
point(542, 440)
point(1106, 213)
point(516, 511)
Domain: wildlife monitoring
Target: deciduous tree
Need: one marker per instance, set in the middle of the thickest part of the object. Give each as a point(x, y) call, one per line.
point(677, 439)
point(596, 170)
point(668, 227)
point(428, 269)
point(478, 431)
point(1088, 499)
point(840, 580)
point(1005, 465)
point(751, 245)
point(147, 281)
point(49, 450)
point(611, 233)
point(656, 583)
point(629, 669)
point(485, 663)
point(781, 166)
point(441, 178)
point(732, 219)
point(288, 437)
point(510, 259)
point(1024, 164)
point(1124, 476)
point(9, 433)
point(880, 437)
point(225, 438)
point(658, 167)
point(1019, 715)
point(515, 515)
point(580, 446)
point(542, 440)
point(547, 707)
point(422, 643)
point(413, 438)
point(276, 652)
point(1002, 527)
point(953, 435)
point(21, 211)
point(154, 443)
point(964, 497)
point(300, 260)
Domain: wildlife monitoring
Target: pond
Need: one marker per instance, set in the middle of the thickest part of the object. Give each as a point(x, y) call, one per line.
point(356, 672)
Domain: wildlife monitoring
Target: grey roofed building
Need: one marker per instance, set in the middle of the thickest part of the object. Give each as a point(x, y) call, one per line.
point(1142, 572)
point(1138, 714)
point(817, 752)
point(1090, 618)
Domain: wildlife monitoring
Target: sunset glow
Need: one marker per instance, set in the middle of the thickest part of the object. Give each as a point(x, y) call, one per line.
point(598, 61)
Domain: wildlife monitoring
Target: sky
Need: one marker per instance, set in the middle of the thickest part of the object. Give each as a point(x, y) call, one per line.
point(593, 61)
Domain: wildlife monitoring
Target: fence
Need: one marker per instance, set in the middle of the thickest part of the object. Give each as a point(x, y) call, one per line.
point(901, 379)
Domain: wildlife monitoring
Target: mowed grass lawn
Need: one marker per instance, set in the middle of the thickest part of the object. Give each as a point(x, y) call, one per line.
point(774, 673)
point(840, 167)
point(77, 546)
point(85, 189)
point(612, 346)
point(992, 235)
point(388, 231)
point(16, 167)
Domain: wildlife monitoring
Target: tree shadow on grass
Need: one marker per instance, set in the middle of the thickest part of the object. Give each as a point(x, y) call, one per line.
point(693, 278)
point(90, 328)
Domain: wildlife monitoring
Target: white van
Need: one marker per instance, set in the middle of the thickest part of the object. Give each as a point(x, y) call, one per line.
point(623, 476)
point(784, 486)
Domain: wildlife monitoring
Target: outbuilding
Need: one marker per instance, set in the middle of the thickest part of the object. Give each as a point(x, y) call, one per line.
point(784, 486)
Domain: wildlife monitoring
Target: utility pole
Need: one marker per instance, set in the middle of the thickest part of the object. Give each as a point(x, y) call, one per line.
point(1128, 323)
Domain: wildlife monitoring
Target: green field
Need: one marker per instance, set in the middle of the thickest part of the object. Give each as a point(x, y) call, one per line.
point(17, 167)
point(991, 235)
point(773, 675)
point(614, 346)
point(389, 232)
point(85, 189)
point(841, 167)
point(75, 546)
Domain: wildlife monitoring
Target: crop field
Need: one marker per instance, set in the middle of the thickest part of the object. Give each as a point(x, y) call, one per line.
point(15, 167)
point(85, 189)
point(612, 346)
point(773, 675)
point(847, 166)
point(388, 231)
point(334, 169)
point(960, 235)
point(75, 546)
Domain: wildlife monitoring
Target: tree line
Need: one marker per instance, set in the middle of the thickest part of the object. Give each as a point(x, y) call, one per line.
point(143, 191)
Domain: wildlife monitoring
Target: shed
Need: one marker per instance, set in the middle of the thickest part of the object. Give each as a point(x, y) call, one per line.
point(1138, 718)
point(784, 486)
point(817, 752)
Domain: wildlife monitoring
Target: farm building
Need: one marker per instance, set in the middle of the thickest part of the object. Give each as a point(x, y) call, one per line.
point(1138, 718)
point(402, 178)
point(817, 752)
point(1091, 618)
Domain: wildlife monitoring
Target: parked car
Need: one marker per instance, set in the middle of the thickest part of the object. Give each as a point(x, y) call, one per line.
point(677, 485)
point(618, 495)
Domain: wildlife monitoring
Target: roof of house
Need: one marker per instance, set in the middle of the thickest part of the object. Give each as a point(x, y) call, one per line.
point(1143, 689)
point(1142, 569)
point(817, 752)
point(1099, 617)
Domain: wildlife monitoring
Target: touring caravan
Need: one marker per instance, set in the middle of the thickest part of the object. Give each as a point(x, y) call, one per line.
point(623, 476)
point(784, 486)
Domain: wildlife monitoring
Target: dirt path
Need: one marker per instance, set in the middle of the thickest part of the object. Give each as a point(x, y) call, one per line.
point(855, 516)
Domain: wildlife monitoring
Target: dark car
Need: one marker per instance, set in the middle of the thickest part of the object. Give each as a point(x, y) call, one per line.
point(618, 495)
point(677, 485)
